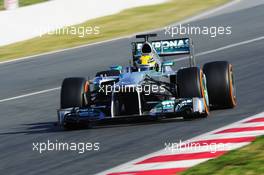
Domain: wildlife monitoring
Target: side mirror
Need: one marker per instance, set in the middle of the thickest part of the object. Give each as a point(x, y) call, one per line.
point(166, 66)
point(117, 67)
point(167, 63)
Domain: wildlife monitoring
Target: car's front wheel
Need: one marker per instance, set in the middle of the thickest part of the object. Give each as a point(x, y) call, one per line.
point(73, 92)
point(191, 82)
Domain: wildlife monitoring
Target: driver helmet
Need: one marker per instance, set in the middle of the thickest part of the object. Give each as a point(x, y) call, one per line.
point(147, 61)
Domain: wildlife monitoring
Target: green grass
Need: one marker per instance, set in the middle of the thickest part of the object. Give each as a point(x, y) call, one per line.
point(1, 4)
point(248, 160)
point(127, 22)
point(22, 3)
point(30, 2)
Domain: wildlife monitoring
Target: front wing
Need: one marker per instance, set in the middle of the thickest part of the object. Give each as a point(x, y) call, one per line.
point(166, 109)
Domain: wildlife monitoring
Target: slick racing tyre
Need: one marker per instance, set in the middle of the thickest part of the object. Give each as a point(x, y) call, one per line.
point(108, 73)
point(73, 92)
point(191, 82)
point(220, 84)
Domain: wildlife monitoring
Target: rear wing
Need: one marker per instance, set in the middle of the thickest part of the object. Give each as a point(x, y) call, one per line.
point(169, 47)
point(165, 47)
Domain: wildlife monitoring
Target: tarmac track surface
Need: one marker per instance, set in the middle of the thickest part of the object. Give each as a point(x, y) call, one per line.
point(31, 119)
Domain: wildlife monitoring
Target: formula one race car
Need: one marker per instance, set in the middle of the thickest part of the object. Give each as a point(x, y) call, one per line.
point(149, 87)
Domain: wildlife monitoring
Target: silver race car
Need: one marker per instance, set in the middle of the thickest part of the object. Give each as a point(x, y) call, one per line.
point(149, 87)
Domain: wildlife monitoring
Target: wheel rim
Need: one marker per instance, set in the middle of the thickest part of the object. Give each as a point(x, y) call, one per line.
point(204, 92)
point(232, 87)
point(86, 87)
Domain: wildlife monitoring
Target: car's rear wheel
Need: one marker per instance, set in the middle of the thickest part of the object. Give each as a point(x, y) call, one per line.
point(191, 82)
point(73, 92)
point(220, 84)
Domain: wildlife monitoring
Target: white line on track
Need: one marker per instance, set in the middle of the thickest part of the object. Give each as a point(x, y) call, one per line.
point(223, 48)
point(179, 59)
point(231, 46)
point(28, 95)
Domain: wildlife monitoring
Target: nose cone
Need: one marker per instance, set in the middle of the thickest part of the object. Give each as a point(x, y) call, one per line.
point(133, 78)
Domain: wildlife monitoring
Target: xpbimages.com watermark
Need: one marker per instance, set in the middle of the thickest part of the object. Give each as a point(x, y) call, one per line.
point(146, 89)
point(80, 147)
point(212, 31)
point(195, 146)
point(78, 31)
